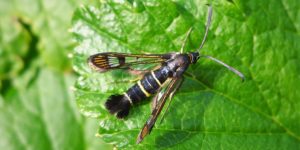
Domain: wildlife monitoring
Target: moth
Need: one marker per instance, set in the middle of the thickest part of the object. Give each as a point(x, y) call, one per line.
point(163, 81)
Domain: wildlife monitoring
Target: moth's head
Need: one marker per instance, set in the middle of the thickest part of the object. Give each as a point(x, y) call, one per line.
point(194, 56)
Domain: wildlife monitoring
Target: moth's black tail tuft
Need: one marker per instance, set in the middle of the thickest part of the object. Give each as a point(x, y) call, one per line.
point(118, 104)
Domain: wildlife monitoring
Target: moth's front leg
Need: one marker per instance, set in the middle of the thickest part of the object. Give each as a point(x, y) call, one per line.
point(179, 72)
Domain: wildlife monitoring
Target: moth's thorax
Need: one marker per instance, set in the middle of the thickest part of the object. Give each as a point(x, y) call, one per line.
point(178, 64)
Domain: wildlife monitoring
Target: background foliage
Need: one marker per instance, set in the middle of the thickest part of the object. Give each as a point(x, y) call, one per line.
point(37, 107)
point(213, 109)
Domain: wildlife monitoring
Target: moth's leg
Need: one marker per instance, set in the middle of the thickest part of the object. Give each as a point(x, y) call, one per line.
point(140, 72)
point(137, 72)
point(126, 81)
point(180, 71)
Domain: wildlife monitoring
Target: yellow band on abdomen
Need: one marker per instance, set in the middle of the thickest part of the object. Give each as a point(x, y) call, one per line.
point(154, 76)
point(143, 89)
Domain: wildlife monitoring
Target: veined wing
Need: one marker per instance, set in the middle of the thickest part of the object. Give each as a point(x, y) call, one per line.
point(157, 109)
point(110, 60)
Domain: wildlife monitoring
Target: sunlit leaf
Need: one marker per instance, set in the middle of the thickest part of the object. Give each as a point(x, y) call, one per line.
point(213, 109)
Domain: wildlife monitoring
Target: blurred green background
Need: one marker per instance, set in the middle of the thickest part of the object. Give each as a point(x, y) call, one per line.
point(37, 106)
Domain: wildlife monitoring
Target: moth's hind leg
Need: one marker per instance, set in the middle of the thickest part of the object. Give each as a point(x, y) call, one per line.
point(136, 72)
point(134, 80)
point(139, 74)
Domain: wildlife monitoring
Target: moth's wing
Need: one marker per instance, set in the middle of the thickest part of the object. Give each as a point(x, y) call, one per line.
point(176, 87)
point(158, 95)
point(162, 90)
point(106, 61)
point(156, 111)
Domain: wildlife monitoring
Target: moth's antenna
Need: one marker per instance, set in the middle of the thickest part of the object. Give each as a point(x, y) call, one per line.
point(227, 66)
point(207, 27)
point(185, 39)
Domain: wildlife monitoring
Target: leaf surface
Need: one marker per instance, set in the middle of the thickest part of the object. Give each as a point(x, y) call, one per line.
point(213, 109)
point(37, 107)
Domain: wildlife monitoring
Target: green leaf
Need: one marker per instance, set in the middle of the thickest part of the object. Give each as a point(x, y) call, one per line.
point(213, 109)
point(41, 111)
point(50, 20)
point(37, 107)
point(14, 45)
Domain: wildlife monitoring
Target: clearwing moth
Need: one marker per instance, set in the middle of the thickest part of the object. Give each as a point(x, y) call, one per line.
point(168, 76)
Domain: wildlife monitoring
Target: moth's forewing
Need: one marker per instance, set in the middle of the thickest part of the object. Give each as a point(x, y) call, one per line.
point(106, 61)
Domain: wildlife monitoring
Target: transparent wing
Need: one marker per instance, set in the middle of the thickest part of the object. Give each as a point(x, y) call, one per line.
point(162, 90)
point(176, 87)
point(107, 61)
point(157, 109)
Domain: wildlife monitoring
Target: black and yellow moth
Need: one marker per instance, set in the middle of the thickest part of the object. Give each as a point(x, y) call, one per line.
point(168, 76)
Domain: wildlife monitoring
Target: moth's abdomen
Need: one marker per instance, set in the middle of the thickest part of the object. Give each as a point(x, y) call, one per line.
point(119, 105)
point(147, 86)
